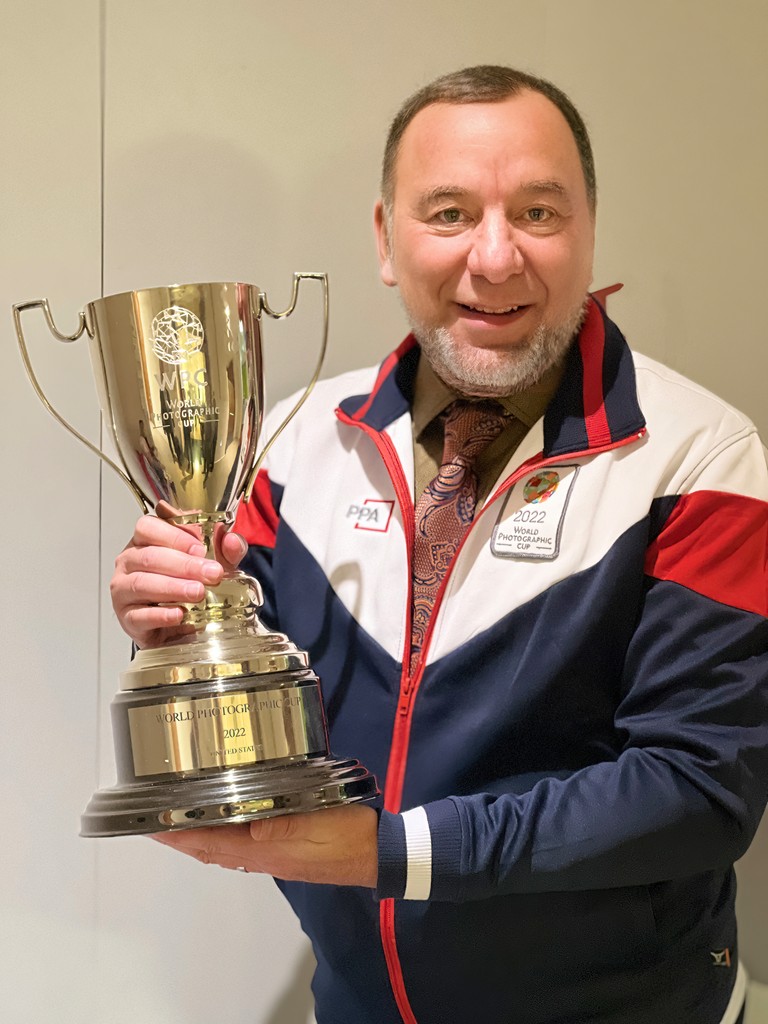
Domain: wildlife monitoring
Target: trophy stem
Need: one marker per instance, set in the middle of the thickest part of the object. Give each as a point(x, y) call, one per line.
point(210, 524)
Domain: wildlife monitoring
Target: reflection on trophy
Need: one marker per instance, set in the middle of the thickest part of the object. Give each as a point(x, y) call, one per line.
point(228, 724)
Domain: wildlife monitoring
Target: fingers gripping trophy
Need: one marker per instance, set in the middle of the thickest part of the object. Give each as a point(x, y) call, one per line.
point(227, 724)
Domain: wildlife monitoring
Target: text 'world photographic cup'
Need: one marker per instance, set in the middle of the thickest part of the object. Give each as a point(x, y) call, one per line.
point(227, 724)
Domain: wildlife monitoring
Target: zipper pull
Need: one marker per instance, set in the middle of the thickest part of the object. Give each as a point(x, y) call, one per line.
point(406, 689)
point(405, 699)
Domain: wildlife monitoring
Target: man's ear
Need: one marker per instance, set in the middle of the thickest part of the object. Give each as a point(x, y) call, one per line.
point(386, 267)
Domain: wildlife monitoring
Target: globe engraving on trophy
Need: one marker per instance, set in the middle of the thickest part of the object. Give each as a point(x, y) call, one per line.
point(176, 334)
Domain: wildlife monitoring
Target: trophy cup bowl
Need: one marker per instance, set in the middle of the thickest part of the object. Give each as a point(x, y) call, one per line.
point(227, 724)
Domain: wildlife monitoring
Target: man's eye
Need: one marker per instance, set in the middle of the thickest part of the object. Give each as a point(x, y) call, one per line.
point(450, 216)
point(538, 215)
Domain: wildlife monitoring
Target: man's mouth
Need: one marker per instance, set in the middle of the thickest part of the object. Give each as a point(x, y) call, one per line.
point(492, 310)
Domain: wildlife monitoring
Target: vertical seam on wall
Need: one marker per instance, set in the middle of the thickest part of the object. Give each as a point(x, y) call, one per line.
point(100, 502)
point(99, 617)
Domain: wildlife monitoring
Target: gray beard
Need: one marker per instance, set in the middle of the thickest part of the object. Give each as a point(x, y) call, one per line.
point(492, 373)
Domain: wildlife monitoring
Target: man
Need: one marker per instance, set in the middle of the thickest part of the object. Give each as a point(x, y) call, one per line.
point(563, 689)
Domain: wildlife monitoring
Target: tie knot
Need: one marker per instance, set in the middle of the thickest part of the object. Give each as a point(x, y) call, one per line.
point(469, 429)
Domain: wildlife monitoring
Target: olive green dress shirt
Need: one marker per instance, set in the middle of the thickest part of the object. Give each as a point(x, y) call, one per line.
point(432, 396)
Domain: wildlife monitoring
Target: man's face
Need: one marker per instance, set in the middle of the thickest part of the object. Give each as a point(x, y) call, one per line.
point(491, 241)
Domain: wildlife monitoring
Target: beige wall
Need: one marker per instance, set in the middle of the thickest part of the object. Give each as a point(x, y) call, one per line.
point(242, 141)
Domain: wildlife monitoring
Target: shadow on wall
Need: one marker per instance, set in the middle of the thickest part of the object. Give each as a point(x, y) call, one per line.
point(295, 1005)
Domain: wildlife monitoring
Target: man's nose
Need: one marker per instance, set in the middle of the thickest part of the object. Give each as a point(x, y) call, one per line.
point(494, 254)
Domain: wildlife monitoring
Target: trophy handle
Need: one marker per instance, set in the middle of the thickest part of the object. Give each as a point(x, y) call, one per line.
point(264, 305)
point(18, 309)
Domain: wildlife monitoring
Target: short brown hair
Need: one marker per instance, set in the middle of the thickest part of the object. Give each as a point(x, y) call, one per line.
point(484, 83)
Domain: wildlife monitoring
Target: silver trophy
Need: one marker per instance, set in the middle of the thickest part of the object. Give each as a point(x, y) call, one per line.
point(228, 724)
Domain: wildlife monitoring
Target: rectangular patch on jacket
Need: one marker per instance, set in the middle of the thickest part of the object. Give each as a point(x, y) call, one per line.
point(531, 519)
point(372, 514)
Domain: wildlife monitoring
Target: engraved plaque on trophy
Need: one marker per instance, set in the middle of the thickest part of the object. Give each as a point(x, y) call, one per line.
point(227, 724)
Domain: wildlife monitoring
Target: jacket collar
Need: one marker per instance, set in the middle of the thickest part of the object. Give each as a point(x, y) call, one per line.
point(595, 406)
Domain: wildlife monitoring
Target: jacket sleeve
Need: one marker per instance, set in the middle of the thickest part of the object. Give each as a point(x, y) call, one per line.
point(686, 793)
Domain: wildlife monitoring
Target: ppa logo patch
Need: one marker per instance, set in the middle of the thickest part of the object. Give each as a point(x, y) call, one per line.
point(540, 487)
point(375, 514)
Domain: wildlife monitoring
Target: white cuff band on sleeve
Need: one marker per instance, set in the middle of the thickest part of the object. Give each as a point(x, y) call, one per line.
point(738, 995)
point(418, 845)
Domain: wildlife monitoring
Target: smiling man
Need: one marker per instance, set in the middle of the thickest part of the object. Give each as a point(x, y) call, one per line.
point(552, 649)
point(487, 228)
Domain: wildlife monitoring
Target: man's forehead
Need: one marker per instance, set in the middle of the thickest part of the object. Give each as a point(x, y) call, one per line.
point(526, 124)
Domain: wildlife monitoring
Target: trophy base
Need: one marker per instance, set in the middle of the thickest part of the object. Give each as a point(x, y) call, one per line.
point(225, 726)
point(230, 797)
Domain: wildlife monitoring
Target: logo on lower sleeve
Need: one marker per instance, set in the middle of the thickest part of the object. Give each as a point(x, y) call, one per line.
point(374, 514)
point(720, 957)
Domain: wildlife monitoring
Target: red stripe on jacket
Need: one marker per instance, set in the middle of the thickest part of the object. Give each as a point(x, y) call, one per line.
point(256, 520)
point(592, 348)
point(716, 544)
point(386, 368)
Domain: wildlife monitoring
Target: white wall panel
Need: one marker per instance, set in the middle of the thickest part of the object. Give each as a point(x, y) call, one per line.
point(49, 189)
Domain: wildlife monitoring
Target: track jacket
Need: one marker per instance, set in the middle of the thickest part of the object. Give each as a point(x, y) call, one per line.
point(582, 752)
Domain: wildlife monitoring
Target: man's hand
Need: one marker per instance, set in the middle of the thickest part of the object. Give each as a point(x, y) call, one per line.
point(165, 564)
point(336, 845)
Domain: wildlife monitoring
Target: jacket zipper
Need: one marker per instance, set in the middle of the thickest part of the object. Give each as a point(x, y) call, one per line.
point(391, 459)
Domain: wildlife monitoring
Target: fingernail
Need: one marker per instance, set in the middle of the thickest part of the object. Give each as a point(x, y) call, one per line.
point(243, 545)
point(194, 591)
point(211, 571)
point(198, 550)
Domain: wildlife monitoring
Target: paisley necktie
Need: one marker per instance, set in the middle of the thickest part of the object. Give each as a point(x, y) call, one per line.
point(447, 506)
